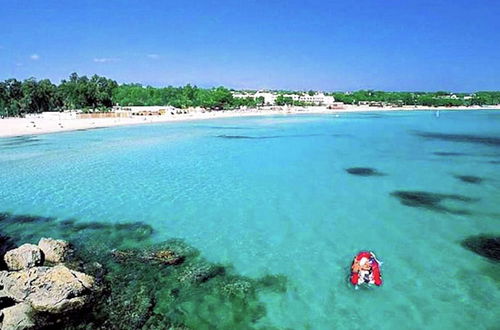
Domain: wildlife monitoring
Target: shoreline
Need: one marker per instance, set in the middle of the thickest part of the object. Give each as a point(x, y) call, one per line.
point(36, 124)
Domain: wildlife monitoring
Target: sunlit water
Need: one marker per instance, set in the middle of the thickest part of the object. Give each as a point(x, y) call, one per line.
point(270, 195)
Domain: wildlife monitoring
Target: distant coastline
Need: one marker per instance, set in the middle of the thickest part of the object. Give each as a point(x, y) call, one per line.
point(40, 124)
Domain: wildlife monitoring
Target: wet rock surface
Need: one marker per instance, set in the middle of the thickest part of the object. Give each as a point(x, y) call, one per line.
point(487, 246)
point(55, 251)
point(18, 317)
point(33, 296)
point(432, 201)
point(48, 289)
point(25, 256)
point(363, 171)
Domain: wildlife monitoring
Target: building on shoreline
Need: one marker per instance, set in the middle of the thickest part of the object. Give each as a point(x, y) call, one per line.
point(317, 98)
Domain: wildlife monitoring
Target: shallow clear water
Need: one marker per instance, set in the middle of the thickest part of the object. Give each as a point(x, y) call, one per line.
point(270, 195)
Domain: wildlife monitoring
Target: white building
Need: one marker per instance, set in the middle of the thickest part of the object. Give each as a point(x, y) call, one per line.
point(317, 98)
point(270, 97)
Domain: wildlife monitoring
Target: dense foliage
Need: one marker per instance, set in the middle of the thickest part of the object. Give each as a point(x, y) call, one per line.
point(179, 97)
point(18, 98)
point(433, 99)
point(31, 96)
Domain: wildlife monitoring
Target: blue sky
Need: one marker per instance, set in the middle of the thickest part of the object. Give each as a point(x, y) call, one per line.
point(326, 45)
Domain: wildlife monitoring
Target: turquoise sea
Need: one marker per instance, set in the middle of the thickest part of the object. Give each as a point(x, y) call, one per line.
point(271, 195)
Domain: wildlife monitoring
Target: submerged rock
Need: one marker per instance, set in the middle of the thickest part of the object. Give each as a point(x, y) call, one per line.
point(201, 273)
point(25, 256)
point(363, 171)
point(469, 179)
point(48, 289)
point(167, 257)
point(163, 256)
point(431, 201)
point(55, 251)
point(18, 317)
point(484, 245)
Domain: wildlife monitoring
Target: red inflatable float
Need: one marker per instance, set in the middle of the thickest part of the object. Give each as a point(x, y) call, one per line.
point(366, 269)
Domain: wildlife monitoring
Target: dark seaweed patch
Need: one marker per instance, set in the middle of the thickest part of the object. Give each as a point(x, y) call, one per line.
point(363, 171)
point(227, 127)
point(431, 201)
point(449, 154)
point(463, 138)
point(6, 244)
point(88, 129)
point(485, 245)
point(469, 179)
point(19, 140)
point(145, 285)
point(7, 217)
point(247, 137)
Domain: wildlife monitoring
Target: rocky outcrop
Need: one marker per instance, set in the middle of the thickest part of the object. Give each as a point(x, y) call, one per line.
point(34, 295)
point(18, 317)
point(25, 256)
point(54, 250)
point(48, 289)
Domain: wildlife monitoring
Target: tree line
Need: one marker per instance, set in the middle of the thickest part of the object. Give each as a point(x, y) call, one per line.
point(218, 98)
point(430, 99)
point(18, 98)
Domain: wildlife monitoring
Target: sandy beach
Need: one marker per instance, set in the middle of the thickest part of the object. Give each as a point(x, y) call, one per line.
point(39, 124)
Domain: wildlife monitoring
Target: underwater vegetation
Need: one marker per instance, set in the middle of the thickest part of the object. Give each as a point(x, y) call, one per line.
point(432, 201)
point(223, 136)
point(363, 171)
point(487, 246)
point(466, 138)
point(21, 141)
point(447, 154)
point(469, 179)
point(148, 285)
point(226, 127)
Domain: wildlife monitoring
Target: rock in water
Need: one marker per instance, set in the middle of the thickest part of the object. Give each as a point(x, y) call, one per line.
point(18, 317)
point(54, 250)
point(54, 290)
point(25, 256)
point(167, 257)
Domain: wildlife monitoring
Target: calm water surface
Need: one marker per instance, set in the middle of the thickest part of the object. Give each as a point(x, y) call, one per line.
point(270, 195)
